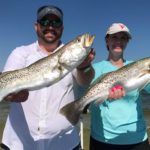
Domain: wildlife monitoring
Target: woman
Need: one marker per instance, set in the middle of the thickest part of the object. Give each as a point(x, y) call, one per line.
point(119, 124)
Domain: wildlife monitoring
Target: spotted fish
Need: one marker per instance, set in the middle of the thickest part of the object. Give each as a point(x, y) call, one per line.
point(135, 75)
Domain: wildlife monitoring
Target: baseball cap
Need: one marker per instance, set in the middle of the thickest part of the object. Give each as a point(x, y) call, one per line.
point(118, 27)
point(48, 10)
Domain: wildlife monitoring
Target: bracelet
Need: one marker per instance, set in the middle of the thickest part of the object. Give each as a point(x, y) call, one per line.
point(84, 68)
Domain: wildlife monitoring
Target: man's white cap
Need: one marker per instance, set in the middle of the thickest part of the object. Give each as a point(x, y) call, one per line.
point(118, 27)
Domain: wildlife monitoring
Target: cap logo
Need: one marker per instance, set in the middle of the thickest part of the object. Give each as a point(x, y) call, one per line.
point(121, 26)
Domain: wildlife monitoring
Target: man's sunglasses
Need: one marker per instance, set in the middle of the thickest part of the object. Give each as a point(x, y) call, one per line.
point(54, 23)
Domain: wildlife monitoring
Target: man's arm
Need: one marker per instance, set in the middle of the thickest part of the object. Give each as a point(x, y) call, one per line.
point(85, 71)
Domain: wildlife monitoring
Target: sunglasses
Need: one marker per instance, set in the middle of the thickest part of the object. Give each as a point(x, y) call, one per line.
point(54, 23)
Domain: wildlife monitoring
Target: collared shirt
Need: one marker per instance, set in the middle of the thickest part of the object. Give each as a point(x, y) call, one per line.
point(120, 121)
point(36, 124)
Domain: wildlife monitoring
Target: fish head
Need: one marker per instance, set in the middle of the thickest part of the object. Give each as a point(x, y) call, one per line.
point(86, 40)
point(76, 51)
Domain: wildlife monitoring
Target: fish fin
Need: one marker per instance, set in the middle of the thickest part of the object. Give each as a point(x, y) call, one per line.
point(98, 80)
point(71, 112)
point(100, 100)
point(5, 73)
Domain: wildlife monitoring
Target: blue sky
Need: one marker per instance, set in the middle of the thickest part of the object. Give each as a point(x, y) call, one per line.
point(17, 19)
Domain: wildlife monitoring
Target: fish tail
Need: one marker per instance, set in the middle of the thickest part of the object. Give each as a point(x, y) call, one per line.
point(72, 112)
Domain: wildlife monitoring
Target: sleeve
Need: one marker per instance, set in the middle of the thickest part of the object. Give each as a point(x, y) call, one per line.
point(16, 60)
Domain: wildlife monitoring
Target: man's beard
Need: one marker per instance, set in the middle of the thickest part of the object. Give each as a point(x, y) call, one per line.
point(57, 35)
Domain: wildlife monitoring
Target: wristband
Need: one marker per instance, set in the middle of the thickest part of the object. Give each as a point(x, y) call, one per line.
point(84, 68)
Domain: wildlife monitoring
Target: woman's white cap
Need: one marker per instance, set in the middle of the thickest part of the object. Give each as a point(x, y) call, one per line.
point(118, 27)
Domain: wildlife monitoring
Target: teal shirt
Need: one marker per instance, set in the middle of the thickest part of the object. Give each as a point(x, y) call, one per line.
point(120, 121)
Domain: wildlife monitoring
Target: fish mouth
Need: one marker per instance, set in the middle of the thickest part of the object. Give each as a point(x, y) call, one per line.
point(88, 40)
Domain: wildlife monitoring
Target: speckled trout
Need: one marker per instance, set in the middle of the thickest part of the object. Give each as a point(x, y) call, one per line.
point(48, 70)
point(134, 76)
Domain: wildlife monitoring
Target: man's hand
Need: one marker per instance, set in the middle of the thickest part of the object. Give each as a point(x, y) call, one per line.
point(19, 97)
point(116, 92)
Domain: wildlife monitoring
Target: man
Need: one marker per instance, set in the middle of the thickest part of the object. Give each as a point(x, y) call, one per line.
point(36, 123)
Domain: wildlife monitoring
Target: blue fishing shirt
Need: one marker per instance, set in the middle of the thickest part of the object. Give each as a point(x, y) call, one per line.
point(119, 121)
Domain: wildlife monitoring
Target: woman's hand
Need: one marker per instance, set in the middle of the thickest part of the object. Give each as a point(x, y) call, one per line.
point(116, 92)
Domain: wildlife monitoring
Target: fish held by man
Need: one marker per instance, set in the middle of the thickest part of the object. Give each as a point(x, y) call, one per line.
point(48, 70)
point(134, 76)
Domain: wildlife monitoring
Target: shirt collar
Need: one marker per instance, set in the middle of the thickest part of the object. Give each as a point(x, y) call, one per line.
point(41, 51)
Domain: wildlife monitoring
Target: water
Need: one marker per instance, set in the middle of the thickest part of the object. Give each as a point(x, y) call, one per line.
point(4, 108)
point(146, 101)
point(146, 107)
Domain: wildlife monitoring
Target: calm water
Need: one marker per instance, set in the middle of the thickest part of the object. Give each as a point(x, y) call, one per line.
point(4, 108)
point(146, 107)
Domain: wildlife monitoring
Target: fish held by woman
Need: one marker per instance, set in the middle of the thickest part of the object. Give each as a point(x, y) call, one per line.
point(134, 76)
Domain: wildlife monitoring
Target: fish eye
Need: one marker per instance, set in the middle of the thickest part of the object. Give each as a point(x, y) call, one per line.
point(78, 39)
